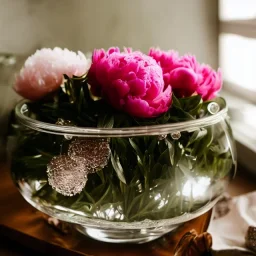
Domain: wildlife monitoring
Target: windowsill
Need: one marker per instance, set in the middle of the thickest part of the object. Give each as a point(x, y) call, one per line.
point(243, 126)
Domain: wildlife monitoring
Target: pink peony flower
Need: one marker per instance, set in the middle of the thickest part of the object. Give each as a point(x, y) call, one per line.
point(129, 81)
point(167, 61)
point(43, 71)
point(211, 82)
point(97, 56)
point(186, 76)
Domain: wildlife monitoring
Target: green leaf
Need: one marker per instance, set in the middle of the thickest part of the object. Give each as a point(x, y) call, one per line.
point(184, 109)
point(81, 101)
point(134, 204)
point(164, 157)
point(118, 167)
point(100, 173)
point(223, 167)
point(178, 179)
point(98, 191)
point(197, 135)
point(152, 145)
point(154, 171)
point(171, 150)
point(178, 153)
point(201, 146)
point(178, 115)
point(185, 167)
point(89, 197)
point(137, 150)
point(69, 89)
point(190, 103)
point(162, 119)
point(106, 197)
point(83, 77)
point(106, 121)
point(176, 102)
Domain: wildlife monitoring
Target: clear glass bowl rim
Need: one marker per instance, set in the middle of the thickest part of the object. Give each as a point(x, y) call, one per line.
point(190, 126)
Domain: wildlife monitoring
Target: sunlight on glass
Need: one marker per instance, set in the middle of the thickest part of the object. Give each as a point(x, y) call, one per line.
point(237, 9)
point(95, 233)
point(196, 188)
point(238, 60)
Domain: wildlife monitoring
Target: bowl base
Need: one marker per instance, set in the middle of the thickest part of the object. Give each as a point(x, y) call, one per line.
point(135, 236)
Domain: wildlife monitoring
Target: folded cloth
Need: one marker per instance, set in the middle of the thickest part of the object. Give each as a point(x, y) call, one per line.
point(230, 231)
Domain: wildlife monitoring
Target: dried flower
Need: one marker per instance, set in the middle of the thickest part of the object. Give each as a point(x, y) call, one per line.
point(67, 176)
point(222, 208)
point(192, 244)
point(250, 238)
point(94, 152)
point(43, 71)
point(129, 81)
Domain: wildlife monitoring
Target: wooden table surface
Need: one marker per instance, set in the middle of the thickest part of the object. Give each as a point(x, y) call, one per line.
point(24, 231)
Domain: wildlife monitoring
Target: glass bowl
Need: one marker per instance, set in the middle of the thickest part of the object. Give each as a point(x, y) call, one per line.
point(123, 185)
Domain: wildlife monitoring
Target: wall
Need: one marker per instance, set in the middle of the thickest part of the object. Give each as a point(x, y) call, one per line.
point(185, 25)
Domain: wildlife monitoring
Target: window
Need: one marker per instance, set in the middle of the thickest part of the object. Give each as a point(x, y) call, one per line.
point(237, 46)
point(237, 56)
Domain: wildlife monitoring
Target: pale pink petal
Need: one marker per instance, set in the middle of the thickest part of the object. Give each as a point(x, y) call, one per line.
point(43, 72)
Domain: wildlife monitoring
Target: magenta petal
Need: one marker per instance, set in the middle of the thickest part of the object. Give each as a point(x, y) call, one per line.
point(113, 50)
point(128, 81)
point(163, 102)
point(138, 87)
point(218, 83)
point(183, 77)
point(164, 98)
point(121, 87)
point(138, 107)
point(167, 79)
point(183, 81)
point(211, 83)
point(98, 55)
point(167, 60)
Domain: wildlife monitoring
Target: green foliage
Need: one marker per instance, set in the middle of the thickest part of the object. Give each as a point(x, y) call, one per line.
point(75, 102)
point(145, 175)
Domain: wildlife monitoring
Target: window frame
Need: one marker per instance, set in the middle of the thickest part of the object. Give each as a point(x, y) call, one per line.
point(245, 28)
